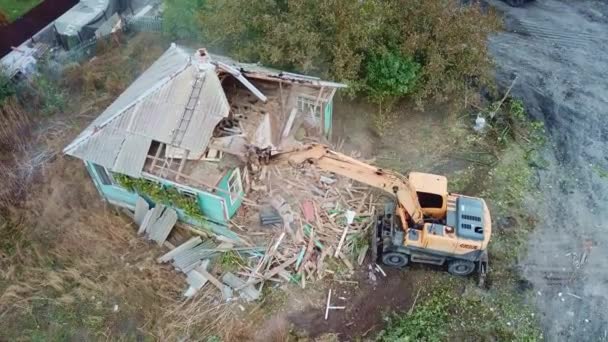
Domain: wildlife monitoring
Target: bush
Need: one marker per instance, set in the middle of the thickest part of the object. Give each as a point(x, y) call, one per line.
point(7, 87)
point(389, 75)
point(332, 38)
point(180, 18)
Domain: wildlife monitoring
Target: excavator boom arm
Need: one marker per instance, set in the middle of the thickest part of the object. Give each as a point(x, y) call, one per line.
point(341, 164)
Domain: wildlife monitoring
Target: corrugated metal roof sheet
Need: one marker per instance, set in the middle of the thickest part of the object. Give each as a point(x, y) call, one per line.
point(132, 155)
point(164, 104)
point(83, 13)
point(275, 73)
point(153, 108)
point(212, 106)
point(103, 147)
point(170, 63)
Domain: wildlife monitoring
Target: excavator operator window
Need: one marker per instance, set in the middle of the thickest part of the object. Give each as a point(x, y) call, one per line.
point(429, 200)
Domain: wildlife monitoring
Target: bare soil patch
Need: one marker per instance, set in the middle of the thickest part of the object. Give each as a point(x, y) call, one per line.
point(367, 303)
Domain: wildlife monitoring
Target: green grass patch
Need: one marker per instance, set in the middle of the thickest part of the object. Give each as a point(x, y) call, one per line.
point(49, 320)
point(230, 261)
point(449, 312)
point(14, 9)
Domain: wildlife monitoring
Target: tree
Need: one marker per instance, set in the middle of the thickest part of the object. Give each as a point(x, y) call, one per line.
point(181, 18)
point(416, 48)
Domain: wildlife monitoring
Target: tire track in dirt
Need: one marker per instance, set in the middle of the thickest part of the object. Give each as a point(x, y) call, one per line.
point(562, 37)
point(559, 50)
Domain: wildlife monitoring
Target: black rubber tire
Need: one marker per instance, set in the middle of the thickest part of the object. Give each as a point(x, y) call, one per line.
point(395, 259)
point(461, 268)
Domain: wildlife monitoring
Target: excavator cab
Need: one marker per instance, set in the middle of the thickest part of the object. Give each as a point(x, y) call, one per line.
point(432, 193)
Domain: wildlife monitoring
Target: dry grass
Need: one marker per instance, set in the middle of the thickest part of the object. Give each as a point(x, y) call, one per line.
point(15, 134)
point(110, 72)
point(67, 260)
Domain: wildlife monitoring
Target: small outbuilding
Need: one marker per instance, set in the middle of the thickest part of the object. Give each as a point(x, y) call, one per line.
point(194, 125)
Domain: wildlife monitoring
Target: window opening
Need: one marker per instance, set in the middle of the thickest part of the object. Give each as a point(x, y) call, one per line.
point(235, 186)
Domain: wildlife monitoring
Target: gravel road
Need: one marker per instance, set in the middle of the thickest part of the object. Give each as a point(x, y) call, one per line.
point(559, 51)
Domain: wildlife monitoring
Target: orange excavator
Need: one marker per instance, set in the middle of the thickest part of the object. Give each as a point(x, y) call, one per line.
point(424, 223)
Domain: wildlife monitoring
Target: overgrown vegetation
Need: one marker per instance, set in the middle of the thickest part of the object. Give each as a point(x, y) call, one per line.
point(429, 49)
point(449, 312)
point(160, 193)
point(390, 75)
point(180, 18)
point(7, 87)
point(13, 9)
point(230, 260)
point(95, 78)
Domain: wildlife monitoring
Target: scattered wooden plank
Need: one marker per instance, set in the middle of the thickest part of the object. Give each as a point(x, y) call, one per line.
point(193, 242)
point(163, 226)
point(309, 248)
point(247, 291)
point(362, 253)
point(289, 124)
point(141, 208)
point(341, 241)
point(327, 306)
point(213, 280)
point(346, 262)
point(308, 211)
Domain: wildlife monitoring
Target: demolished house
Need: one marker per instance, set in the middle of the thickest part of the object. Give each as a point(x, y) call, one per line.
point(198, 123)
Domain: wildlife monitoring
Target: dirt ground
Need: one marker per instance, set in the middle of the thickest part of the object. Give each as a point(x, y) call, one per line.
point(559, 52)
point(367, 303)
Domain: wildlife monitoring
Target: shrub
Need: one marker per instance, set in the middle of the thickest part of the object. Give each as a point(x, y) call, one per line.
point(51, 97)
point(7, 87)
point(333, 37)
point(390, 74)
point(180, 18)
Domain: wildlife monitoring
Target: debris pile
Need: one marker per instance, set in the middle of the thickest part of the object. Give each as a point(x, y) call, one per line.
point(315, 219)
point(307, 224)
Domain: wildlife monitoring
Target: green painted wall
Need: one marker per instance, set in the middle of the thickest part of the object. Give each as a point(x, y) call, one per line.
point(327, 125)
point(232, 205)
point(212, 206)
point(112, 192)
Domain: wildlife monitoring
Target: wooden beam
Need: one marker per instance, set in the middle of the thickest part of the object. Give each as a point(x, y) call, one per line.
point(182, 164)
point(157, 155)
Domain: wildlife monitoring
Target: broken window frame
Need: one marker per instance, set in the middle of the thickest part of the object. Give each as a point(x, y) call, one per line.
point(187, 193)
point(235, 190)
point(304, 104)
point(104, 176)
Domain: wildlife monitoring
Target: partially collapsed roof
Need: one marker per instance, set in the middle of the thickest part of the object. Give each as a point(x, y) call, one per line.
point(178, 101)
point(259, 71)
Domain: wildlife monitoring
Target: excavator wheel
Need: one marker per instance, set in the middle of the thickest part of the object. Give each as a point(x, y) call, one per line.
point(377, 242)
point(395, 259)
point(461, 267)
